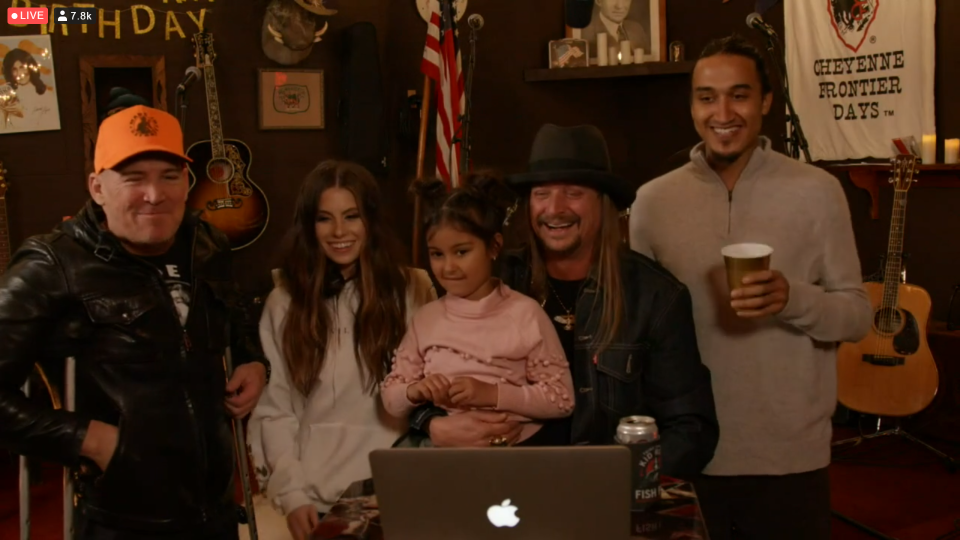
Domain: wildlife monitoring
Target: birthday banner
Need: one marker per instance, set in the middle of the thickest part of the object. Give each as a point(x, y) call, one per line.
point(861, 73)
point(164, 16)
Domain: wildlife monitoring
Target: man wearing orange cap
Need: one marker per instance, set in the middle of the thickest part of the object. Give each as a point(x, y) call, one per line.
point(140, 293)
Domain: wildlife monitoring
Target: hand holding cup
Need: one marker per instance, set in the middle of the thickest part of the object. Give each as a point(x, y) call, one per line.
point(755, 290)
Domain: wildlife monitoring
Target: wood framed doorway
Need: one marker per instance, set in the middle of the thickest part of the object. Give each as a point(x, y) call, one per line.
point(145, 76)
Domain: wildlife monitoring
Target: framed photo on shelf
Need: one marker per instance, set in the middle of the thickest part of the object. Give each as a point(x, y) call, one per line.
point(291, 98)
point(643, 22)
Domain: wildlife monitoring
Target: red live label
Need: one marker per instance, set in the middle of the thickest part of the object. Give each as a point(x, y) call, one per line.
point(17, 15)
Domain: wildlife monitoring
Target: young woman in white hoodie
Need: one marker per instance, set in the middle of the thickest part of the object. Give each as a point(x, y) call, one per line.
point(338, 311)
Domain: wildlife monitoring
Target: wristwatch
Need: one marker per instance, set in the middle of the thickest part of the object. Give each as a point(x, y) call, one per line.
point(422, 416)
point(425, 425)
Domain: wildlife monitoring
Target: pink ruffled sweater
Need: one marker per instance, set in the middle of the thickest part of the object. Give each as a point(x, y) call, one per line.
point(505, 339)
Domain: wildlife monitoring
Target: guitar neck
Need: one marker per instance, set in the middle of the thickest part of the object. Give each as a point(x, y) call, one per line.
point(4, 236)
point(894, 262)
point(213, 111)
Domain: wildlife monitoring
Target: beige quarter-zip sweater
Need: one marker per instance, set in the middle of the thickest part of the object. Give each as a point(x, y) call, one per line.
point(774, 379)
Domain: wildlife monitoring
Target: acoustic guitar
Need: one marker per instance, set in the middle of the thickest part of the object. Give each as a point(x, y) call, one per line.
point(891, 372)
point(220, 184)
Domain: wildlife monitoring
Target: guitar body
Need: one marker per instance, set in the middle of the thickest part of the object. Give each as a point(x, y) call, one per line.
point(223, 190)
point(891, 372)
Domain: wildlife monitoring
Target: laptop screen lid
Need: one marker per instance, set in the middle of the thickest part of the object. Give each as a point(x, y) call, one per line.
point(556, 493)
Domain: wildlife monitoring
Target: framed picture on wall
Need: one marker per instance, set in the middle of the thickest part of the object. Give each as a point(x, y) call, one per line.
point(642, 22)
point(28, 93)
point(291, 99)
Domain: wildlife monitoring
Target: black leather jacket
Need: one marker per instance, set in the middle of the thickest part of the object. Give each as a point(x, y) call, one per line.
point(652, 367)
point(75, 292)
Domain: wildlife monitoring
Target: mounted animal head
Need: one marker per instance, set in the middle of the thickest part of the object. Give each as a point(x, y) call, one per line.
point(290, 29)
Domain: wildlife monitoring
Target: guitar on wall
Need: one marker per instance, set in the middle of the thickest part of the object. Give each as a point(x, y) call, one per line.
point(220, 183)
point(891, 372)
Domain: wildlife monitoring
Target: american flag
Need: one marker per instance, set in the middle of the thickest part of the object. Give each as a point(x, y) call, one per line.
point(441, 62)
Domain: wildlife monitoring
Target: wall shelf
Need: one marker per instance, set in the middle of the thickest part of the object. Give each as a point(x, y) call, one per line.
point(646, 69)
point(871, 177)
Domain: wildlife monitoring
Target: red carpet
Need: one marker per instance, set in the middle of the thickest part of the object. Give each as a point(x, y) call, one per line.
point(889, 484)
point(897, 487)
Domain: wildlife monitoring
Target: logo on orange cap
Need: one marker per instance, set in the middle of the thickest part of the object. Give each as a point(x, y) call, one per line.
point(136, 130)
point(144, 126)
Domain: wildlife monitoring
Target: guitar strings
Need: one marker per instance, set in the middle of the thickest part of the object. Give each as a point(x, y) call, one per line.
point(887, 304)
point(893, 281)
point(885, 308)
point(881, 330)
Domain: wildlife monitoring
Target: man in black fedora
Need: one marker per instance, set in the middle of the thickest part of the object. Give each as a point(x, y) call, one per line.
point(625, 322)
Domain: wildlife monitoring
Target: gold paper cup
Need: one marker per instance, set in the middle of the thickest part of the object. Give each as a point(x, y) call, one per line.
point(743, 259)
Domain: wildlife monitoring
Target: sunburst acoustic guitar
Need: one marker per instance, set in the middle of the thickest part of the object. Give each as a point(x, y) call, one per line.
point(891, 372)
point(220, 173)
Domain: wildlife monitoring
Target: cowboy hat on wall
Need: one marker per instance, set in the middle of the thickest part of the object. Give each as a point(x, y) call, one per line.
point(290, 29)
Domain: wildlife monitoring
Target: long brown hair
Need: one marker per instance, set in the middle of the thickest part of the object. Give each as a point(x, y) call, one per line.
point(311, 278)
point(606, 257)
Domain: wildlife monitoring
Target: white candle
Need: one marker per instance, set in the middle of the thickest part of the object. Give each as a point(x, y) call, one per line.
point(951, 151)
point(638, 56)
point(602, 49)
point(626, 55)
point(614, 57)
point(928, 149)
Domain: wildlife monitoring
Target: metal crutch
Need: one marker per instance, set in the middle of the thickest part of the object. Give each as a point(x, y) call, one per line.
point(25, 520)
point(70, 391)
point(241, 447)
point(25, 485)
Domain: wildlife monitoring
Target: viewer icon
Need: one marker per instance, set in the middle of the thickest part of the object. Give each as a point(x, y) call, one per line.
point(62, 17)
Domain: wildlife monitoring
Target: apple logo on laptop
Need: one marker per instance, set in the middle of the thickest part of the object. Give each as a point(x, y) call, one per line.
point(503, 514)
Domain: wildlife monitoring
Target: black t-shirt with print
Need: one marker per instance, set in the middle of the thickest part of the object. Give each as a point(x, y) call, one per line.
point(175, 267)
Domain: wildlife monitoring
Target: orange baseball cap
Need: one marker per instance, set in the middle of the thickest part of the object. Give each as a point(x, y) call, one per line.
point(136, 130)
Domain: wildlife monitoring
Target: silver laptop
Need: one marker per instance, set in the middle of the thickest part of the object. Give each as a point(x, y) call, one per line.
point(555, 493)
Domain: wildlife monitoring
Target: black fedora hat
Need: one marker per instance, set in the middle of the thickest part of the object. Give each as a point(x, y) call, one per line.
point(577, 155)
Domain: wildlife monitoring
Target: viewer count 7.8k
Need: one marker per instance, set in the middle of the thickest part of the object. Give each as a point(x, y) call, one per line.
point(63, 15)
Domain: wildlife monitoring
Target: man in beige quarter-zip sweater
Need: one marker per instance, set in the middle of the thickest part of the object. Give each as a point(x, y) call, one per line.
point(771, 344)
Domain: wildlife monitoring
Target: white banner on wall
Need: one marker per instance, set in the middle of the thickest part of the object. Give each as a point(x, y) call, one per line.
point(861, 73)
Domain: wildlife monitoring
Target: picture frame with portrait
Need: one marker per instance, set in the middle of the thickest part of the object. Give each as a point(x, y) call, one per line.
point(28, 96)
point(643, 22)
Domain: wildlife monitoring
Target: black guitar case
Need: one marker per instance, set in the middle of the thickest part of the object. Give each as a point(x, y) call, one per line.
point(363, 132)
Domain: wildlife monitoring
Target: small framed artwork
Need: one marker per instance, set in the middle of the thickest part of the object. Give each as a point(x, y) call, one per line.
point(28, 95)
point(642, 22)
point(568, 53)
point(291, 99)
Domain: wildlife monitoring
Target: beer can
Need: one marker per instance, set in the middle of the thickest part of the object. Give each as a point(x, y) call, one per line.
point(641, 436)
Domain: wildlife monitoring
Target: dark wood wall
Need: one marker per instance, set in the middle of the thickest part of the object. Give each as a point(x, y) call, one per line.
point(645, 119)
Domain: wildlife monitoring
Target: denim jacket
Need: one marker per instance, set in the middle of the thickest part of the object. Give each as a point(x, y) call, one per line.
point(652, 367)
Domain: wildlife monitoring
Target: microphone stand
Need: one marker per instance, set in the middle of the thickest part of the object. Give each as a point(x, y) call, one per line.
point(182, 101)
point(466, 117)
point(795, 140)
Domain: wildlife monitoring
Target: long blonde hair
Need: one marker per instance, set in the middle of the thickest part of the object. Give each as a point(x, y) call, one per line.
point(606, 257)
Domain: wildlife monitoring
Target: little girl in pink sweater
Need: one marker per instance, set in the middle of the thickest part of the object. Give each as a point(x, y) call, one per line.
point(482, 345)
